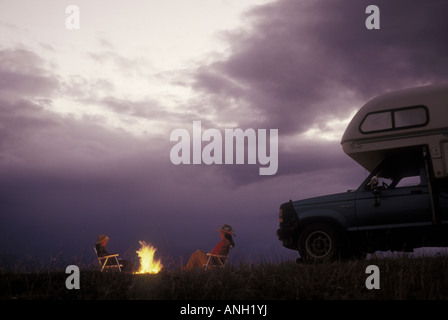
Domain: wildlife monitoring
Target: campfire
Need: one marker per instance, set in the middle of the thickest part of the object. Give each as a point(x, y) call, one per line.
point(147, 262)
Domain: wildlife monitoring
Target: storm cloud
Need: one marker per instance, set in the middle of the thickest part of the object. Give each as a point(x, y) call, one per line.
point(303, 62)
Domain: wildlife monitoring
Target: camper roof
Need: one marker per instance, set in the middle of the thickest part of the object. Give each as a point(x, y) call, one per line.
point(394, 120)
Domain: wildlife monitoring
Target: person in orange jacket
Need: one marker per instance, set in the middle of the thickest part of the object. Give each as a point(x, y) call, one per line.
point(199, 258)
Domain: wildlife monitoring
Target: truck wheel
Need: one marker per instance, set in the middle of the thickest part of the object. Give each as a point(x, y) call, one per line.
point(319, 242)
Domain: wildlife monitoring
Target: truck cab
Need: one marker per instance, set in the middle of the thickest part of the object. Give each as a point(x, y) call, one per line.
point(401, 138)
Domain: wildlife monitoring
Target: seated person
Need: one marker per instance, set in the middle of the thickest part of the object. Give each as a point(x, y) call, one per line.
point(101, 250)
point(199, 258)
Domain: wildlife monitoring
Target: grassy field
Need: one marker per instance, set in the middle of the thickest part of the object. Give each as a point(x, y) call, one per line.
point(401, 278)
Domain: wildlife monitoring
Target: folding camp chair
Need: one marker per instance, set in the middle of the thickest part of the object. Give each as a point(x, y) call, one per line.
point(216, 260)
point(110, 262)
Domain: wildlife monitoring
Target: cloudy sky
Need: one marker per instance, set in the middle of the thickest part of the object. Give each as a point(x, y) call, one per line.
point(86, 114)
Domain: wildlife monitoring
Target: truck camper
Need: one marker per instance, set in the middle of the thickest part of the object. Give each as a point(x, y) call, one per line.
point(401, 138)
point(394, 121)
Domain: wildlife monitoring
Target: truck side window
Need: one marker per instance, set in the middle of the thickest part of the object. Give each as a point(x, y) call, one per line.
point(409, 182)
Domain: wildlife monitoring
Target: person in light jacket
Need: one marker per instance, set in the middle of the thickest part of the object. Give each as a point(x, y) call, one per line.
point(101, 251)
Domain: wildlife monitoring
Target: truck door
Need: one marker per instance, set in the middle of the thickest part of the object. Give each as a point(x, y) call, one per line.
point(402, 199)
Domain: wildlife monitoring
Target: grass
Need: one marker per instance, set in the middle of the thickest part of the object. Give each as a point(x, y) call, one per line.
point(401, 278)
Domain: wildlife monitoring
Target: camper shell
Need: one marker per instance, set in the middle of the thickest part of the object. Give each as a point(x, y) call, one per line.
point(393, 122)
point(401, 139)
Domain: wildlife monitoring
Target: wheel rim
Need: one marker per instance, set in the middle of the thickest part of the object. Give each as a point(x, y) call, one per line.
point(319, 244)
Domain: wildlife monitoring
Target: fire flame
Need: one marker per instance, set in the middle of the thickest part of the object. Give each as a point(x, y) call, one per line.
point(147, 262)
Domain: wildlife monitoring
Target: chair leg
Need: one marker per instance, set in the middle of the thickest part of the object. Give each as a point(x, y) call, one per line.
point(104, 264)
point(208, 261)
point(118, 264)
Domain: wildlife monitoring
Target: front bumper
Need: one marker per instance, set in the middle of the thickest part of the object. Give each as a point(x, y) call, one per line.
point(288, 222)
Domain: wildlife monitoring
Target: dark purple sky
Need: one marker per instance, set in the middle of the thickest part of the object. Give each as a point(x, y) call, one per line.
point(72, 166)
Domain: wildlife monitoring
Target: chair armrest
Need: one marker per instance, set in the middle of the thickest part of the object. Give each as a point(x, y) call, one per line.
point(109, 256)
point(216, 255)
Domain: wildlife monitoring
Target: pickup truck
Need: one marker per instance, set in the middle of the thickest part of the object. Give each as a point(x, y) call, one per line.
point(402, 204)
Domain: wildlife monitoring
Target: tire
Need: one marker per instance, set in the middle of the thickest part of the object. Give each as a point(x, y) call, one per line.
point(319, 242)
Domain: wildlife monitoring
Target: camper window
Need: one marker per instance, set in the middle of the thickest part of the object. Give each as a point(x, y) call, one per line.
point(410, 117)
point(395, 119)
point(378, 121)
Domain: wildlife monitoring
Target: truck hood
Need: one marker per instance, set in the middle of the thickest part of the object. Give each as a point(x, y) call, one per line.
point(338, 197)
